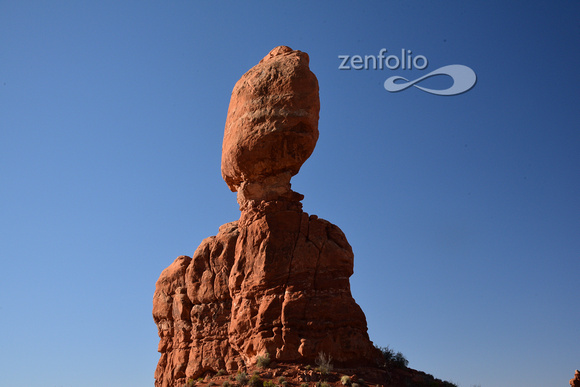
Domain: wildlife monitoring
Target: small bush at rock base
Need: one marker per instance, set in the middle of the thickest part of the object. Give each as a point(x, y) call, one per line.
point(400, 360)
point(255, 381)
point(324, 363)
point(263, 361)
point(242, 378)
point(345, 380)
point(393, 359)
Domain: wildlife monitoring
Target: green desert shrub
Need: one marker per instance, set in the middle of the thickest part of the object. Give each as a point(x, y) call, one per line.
point(221, 372)
point(400, 360)
point(255, 381)
point(387, 353)
point(226, 384)
point(269, 383)
point(391, 358)
point(263, 361)
point(345, 380)
point(242, 378)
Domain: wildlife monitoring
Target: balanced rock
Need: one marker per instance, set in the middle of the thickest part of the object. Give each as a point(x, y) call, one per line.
point(277, 280)
point(272, 125)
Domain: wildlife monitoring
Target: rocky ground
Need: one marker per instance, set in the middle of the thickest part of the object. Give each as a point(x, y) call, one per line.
point(293, 375)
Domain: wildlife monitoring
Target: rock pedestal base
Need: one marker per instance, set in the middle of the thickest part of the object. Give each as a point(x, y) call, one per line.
point(276, 283)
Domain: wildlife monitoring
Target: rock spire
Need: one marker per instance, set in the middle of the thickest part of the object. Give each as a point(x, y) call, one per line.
point(275, 281)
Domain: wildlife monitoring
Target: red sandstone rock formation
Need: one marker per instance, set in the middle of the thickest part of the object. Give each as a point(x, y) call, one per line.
point(277, 280)
point(575, 382)
point(272, 123)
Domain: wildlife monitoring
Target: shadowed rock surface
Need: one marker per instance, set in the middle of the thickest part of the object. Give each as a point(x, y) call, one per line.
point(575, 381)
point(277, 280)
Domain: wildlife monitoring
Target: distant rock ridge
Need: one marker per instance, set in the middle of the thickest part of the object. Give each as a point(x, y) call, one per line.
point(275, 281)
point(575, 381)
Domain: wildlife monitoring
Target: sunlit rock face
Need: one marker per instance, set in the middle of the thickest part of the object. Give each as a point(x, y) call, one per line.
point(277, 279)
point(272, 122)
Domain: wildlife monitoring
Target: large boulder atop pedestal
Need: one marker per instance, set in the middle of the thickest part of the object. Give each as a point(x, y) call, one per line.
point(272, 122)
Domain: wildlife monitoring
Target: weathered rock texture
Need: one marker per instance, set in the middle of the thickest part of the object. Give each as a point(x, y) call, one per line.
point(575, 381)
point(272, 126)
point(276, 280)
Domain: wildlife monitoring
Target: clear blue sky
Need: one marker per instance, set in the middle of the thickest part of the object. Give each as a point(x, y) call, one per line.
point(463, 211)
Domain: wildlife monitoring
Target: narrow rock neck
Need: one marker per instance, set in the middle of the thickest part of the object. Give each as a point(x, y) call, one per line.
point(271, 194)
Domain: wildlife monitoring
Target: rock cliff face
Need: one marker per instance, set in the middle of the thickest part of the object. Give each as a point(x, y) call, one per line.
point(277, 280)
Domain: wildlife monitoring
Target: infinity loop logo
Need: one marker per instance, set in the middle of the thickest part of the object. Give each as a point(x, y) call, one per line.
point(463, 79)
